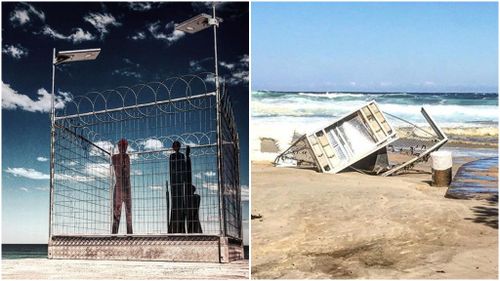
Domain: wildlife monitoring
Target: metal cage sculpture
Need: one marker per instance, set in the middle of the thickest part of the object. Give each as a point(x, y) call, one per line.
point(150, 117)
point(364, 140)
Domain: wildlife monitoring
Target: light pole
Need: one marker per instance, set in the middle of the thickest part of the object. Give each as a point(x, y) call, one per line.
point(60, 58)
point(194, 25)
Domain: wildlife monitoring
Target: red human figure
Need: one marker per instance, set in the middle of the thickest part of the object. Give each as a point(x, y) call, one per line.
point(122, 193)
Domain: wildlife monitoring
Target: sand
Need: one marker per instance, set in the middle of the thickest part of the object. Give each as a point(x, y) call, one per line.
point(352, 225)
point(85, 269)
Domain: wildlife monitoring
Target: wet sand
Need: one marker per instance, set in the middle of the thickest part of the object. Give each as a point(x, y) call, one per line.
point(352, 225)
point(85, 269)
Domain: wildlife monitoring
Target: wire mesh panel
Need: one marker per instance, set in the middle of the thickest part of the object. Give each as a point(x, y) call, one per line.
point(416, 141)
point(143, 160)
point(230, 168)
point(81, 199)
point(299, 154)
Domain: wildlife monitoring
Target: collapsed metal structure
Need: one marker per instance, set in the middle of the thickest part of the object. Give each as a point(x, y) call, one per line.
point(151, 117)
point(366, 141)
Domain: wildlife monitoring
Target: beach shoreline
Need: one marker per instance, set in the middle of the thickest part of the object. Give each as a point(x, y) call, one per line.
point(105, 269)
point(350, 225)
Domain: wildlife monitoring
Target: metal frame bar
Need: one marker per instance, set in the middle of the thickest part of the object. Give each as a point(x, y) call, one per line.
point(52, 144)
point(83, 138)
point(137, 235)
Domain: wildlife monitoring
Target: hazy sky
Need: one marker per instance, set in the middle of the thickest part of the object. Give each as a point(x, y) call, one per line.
point(425, 47)
point(138, 45)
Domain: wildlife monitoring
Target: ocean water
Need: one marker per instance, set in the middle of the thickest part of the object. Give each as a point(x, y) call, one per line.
point(278, 115)
point(23, 251)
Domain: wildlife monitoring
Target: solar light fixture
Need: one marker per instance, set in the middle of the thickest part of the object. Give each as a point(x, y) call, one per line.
point(76, 55)
point(198, 23)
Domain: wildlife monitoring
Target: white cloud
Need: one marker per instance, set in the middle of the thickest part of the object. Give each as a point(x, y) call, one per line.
point(136, 173)
point(352, 83)
point(11, 99)
point(21, 16)
point(23, 189)
point(69, 163)
point(79, 35)
point(210, 174)
point(200, 175)
point(151, 144)
point(170, 35)
point(45, 188)
point(27, 173)
point(101, 22)
point(42, 159)
point(127, 73)
point(165, 33)
point(106, 145)
point(201, 65)
point(141, 6)
point(129, 70)
point(128, 61)
point(73, 178)
point(227, 65)
point(238, 71)
point(195, 66)
point(32, 10)
point(245, 193)
point(91, 171)
point(175, 35)
point(429, 83)
point(210, 186)
point(138, 36)
point(99, 170)
point(16, 52)
point(207, 6)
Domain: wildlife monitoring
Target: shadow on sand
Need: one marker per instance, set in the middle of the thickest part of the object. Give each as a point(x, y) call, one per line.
point(487, 215)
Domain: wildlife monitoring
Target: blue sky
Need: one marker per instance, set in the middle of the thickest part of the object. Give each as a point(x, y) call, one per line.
point(138, 45)
point(423, 47)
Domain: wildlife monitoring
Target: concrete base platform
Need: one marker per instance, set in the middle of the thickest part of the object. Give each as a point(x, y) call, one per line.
point(52, 269)
point(195, 248)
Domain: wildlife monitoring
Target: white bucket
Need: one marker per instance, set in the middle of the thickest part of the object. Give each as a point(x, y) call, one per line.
point(441, 160)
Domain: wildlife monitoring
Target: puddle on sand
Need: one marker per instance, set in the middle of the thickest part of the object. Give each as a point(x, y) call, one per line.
point(475, 179)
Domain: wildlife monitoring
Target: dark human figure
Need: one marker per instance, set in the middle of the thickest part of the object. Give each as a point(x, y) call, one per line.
point(122, 193)
point(193, 206)
point(189, 177)
point(177, 163)
point(192, 200)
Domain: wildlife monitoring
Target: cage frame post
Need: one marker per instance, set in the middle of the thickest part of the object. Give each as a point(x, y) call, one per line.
point(219, 129)
point(52, 143)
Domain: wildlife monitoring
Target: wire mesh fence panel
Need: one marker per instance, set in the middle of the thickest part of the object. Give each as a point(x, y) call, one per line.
point(142, 160)
point(81, 199)
point(230, 175)
point(416, 140)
